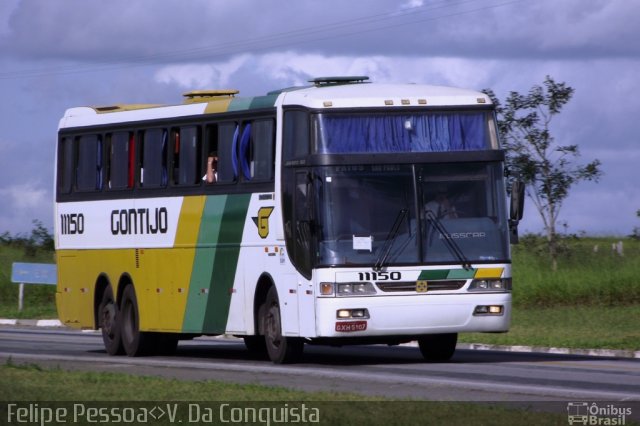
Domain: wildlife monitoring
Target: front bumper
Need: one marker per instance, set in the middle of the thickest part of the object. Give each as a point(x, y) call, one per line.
point(413, 314)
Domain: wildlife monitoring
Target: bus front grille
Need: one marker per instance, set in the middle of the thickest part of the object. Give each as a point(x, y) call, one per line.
point(441, 285)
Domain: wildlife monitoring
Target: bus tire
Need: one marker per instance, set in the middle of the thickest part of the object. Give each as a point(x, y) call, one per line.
point(134, 341)
point(109, 317)
point(281, 349)
point(438, 347)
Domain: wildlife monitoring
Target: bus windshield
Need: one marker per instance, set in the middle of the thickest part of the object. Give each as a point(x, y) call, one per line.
point(359, 206)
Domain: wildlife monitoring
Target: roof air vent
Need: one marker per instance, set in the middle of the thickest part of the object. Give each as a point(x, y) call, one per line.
point(197, 96)
point(335, 81)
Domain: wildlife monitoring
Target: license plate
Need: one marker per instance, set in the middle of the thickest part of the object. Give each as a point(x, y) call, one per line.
point(351, 326)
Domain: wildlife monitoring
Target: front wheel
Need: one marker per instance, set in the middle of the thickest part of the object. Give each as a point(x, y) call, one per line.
point(438, 347)
point(281, 349)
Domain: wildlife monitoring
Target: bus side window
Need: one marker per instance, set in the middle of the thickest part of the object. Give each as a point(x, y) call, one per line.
point(118, 160)
point(245, 152)
point(153, 164)
point(65, 165)
point(131, 178)
point(262, 150)
point(228, 139)
point(89, 166)
point(210, 158)
point(175, 154)
point(186, 155)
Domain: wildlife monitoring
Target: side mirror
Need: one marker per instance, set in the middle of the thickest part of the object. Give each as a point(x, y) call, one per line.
point(517, 200)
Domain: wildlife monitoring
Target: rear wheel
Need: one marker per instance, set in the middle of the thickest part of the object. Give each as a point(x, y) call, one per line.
point(109, 322)
point(438, 347)
point(134, 341)
point(281, 349)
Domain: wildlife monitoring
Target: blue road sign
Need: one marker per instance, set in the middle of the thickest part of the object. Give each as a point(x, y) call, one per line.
point(34, 273)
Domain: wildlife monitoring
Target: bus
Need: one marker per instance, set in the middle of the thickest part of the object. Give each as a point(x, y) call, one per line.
point(341, 212)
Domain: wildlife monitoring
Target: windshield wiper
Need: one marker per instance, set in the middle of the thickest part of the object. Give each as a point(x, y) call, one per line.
point(388, 242)
point(450, 243)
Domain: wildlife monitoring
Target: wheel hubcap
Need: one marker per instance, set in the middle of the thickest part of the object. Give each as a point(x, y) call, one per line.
point(272, 326)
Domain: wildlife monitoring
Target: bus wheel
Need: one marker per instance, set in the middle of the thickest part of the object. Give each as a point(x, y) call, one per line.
point(109, 318)
point(438, 347)
point(281, 349)
point(135, 342)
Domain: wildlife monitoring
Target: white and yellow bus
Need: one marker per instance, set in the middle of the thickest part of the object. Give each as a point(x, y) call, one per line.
point(343, 212)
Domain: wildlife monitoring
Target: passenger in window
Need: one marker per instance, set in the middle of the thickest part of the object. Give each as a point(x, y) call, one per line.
point(212, 168)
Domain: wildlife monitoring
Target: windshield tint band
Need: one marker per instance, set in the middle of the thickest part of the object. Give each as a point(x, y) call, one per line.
point(412, 158)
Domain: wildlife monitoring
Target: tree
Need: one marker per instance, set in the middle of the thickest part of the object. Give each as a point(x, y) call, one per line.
point(40, 236)
point(40, 239)
point(636, 230)
point(548, 169)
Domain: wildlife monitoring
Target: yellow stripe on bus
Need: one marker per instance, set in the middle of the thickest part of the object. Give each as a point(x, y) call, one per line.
point(162, 294)
point(171, 270)
point(489, 273)
point(219, 105)
point(189, 223)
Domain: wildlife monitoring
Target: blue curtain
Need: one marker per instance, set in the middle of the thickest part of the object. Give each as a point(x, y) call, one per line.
point(404, 133)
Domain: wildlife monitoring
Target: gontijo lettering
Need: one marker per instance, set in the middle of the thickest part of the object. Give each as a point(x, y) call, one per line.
point(139, 221)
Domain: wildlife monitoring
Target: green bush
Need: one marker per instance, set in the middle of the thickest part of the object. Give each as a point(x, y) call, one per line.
point(589, 273)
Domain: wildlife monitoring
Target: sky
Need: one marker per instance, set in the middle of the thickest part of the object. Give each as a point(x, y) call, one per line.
point(59, 54)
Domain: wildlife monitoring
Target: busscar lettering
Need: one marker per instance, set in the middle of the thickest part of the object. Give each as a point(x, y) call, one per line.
point(139, 221)
point(460, 235)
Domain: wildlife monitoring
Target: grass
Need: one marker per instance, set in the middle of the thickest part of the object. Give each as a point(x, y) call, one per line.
point(34, 384)
point(584, 277)
point(586, 327)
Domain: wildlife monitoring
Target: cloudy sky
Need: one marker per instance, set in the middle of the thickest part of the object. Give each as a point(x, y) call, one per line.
point(59, 54)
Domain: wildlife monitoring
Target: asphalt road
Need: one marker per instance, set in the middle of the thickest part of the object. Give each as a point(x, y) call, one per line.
point(375, 370)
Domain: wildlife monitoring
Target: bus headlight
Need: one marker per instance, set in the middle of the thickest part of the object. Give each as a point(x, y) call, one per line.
point(503, 284)
point(355, 289)
point(347, 289)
